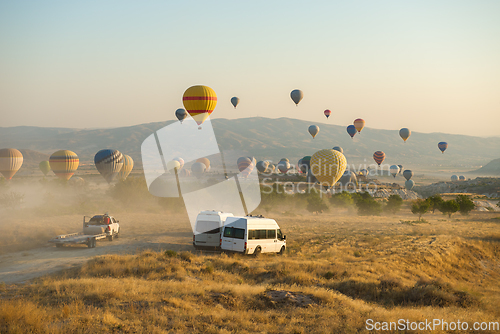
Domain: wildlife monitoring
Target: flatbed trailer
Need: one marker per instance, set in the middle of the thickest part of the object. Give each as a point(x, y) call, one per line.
point(77, 238)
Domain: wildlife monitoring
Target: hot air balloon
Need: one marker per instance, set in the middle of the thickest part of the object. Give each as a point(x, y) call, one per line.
point(400, 168)
point(181, 162)
point(407, 174)
point(409, 184)
point(172, 166)
point(363, 172)
point(454, 177)
point(283, 166)
point(405, 133)
point(359, 124)
point(204, 161)
point(379, 157)
point(394, 169)
point(44, 167)
point(443, 146)
point(284, 159)
point(10, 162)
point(461, 178)
point(64, 164)
point(198, 168)
point(109, 163)
point(199, 102)
point(296, 96)
point(305, 164)
point(338, 148)
point(328, 166)
point(76, 181)
point(246, 165)
point(262, 166)
point(128, 165)
point(313, 130)
point(235, 101)
point(348, 178)
point(184, 172)
point(351, 130)
point(327, 113)
point(181, 114)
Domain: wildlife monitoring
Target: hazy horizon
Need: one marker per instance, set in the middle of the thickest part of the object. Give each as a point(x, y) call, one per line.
point(430, 67)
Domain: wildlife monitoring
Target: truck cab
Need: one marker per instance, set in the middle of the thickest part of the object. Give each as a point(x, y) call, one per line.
point(99, 224)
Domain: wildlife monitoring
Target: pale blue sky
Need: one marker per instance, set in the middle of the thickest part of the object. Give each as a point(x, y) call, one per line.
point(426, 65)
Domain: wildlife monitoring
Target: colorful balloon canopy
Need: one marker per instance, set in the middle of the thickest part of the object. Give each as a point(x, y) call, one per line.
point(338, 148)
point(328, 166)
point(181, 161)
point(200, 102)
point(246, 165)
point(198, 168)
point(262, 166)
point(181, 114)
point(77, 181)
point(454, 177)
point(363, 172)
point(206, 162)
point(443, 146)
point(407, 174)
point(351, 130)
point(394, 169)
point(234, 101)
point(64, 164)
point(296, 96)
point(10, 162)
point(461, 178)
point(184, 172)
point(379, 157)
point(327, 113)
point(348, 178)
point(109, 163)
point(305, 164)
point(409, 184)
point(173, 166)
point(400, 168)
point(313, 130)
point(44, 167)
point(359, 124)
point(283, 166)
point(128, 165)
point(404, 133)
point(284, 159)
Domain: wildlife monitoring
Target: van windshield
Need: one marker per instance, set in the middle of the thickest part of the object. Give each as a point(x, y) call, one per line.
point(208, 227)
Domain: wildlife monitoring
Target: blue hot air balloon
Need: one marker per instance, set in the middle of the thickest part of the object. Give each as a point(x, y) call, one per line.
point(351, 130)
point(443, 146)
point(108, 163)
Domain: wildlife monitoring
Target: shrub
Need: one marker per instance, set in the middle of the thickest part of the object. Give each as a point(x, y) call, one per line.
point(394, 203)
point(343, 199)
point(449, 207)
point(367, 205)
point(170, 253)
point(434, 202)
point(465, 204)
point(419, 207)
point(315, 202)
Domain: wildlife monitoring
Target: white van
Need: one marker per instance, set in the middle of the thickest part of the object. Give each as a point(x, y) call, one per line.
point(208, 228)
point(252, 235)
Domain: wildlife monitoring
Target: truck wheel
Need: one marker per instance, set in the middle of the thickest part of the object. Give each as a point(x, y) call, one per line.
point(257, 251)
point(282, 250)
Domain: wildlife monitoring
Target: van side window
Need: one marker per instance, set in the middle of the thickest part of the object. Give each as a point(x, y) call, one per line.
point(280, 235)
point(228, 232)
point(251, 235)
point(261, 234)
point(233, 232)
point(271, 234)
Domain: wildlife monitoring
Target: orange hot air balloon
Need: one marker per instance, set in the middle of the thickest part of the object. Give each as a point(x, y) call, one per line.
point(359, 124)
point(206, 162)
point(64, 163)
point(10, 162)
point(379, 157)
point(199, 102)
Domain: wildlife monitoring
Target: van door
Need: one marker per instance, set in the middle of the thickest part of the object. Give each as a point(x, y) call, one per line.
point(208, 233)
point(227, 238)
point(239, 240)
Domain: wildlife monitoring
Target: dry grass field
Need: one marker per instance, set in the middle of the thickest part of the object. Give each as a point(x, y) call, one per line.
point(340, 270)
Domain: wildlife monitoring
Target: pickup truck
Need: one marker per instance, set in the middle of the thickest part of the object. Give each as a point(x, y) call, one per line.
point(95, 228)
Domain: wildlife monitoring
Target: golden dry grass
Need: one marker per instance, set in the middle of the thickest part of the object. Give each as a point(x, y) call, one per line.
point(352, 267)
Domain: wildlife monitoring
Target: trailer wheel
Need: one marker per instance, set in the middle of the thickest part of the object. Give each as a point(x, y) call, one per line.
point(257, 251)
point(110, 237)
point(91, 243)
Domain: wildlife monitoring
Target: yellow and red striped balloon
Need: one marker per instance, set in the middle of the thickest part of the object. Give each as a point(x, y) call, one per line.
point(199, 102)
point(379, 157)
point(10, 162)
point(64, 163)
point(359, 124)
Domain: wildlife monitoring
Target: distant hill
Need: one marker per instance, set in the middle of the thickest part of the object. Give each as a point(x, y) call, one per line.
point(272, 139)
point(491, 168)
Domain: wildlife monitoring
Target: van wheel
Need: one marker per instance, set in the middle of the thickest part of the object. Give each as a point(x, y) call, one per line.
point(257, 251)
point(282, 250)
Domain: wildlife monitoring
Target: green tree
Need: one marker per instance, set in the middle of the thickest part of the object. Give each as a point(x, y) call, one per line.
point(343, 199)
point(434, 202)
point(419, 207)
point(315, 203)
point(449, 207)
point(367, 205)
point(394, 203)
point(465, 203)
